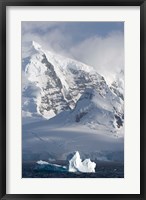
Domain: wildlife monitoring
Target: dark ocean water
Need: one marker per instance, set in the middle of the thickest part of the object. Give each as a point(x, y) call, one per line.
point(103, 170)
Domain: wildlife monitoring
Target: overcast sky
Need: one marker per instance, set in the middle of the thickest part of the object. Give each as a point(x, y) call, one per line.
point(99, 44)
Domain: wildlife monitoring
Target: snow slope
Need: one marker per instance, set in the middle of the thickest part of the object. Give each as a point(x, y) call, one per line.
point(96, 112)
point(54, 139)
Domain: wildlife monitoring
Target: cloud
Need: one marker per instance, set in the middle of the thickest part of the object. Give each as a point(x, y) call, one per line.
point(36, 26)
point(49, 35)
point(104, 52)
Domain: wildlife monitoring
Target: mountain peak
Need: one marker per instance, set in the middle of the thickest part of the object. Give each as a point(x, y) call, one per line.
point(61, 84)
point(36, 45)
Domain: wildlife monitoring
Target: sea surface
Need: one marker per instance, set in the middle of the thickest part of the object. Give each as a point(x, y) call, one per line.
point(103, 170)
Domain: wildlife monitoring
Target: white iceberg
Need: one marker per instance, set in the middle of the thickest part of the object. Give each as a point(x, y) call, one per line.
point(77, 165)
point(41, 162)
point(43, 165)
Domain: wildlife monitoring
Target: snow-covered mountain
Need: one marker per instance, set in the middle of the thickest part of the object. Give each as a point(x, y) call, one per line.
point(53, 84)
point(67, 106)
